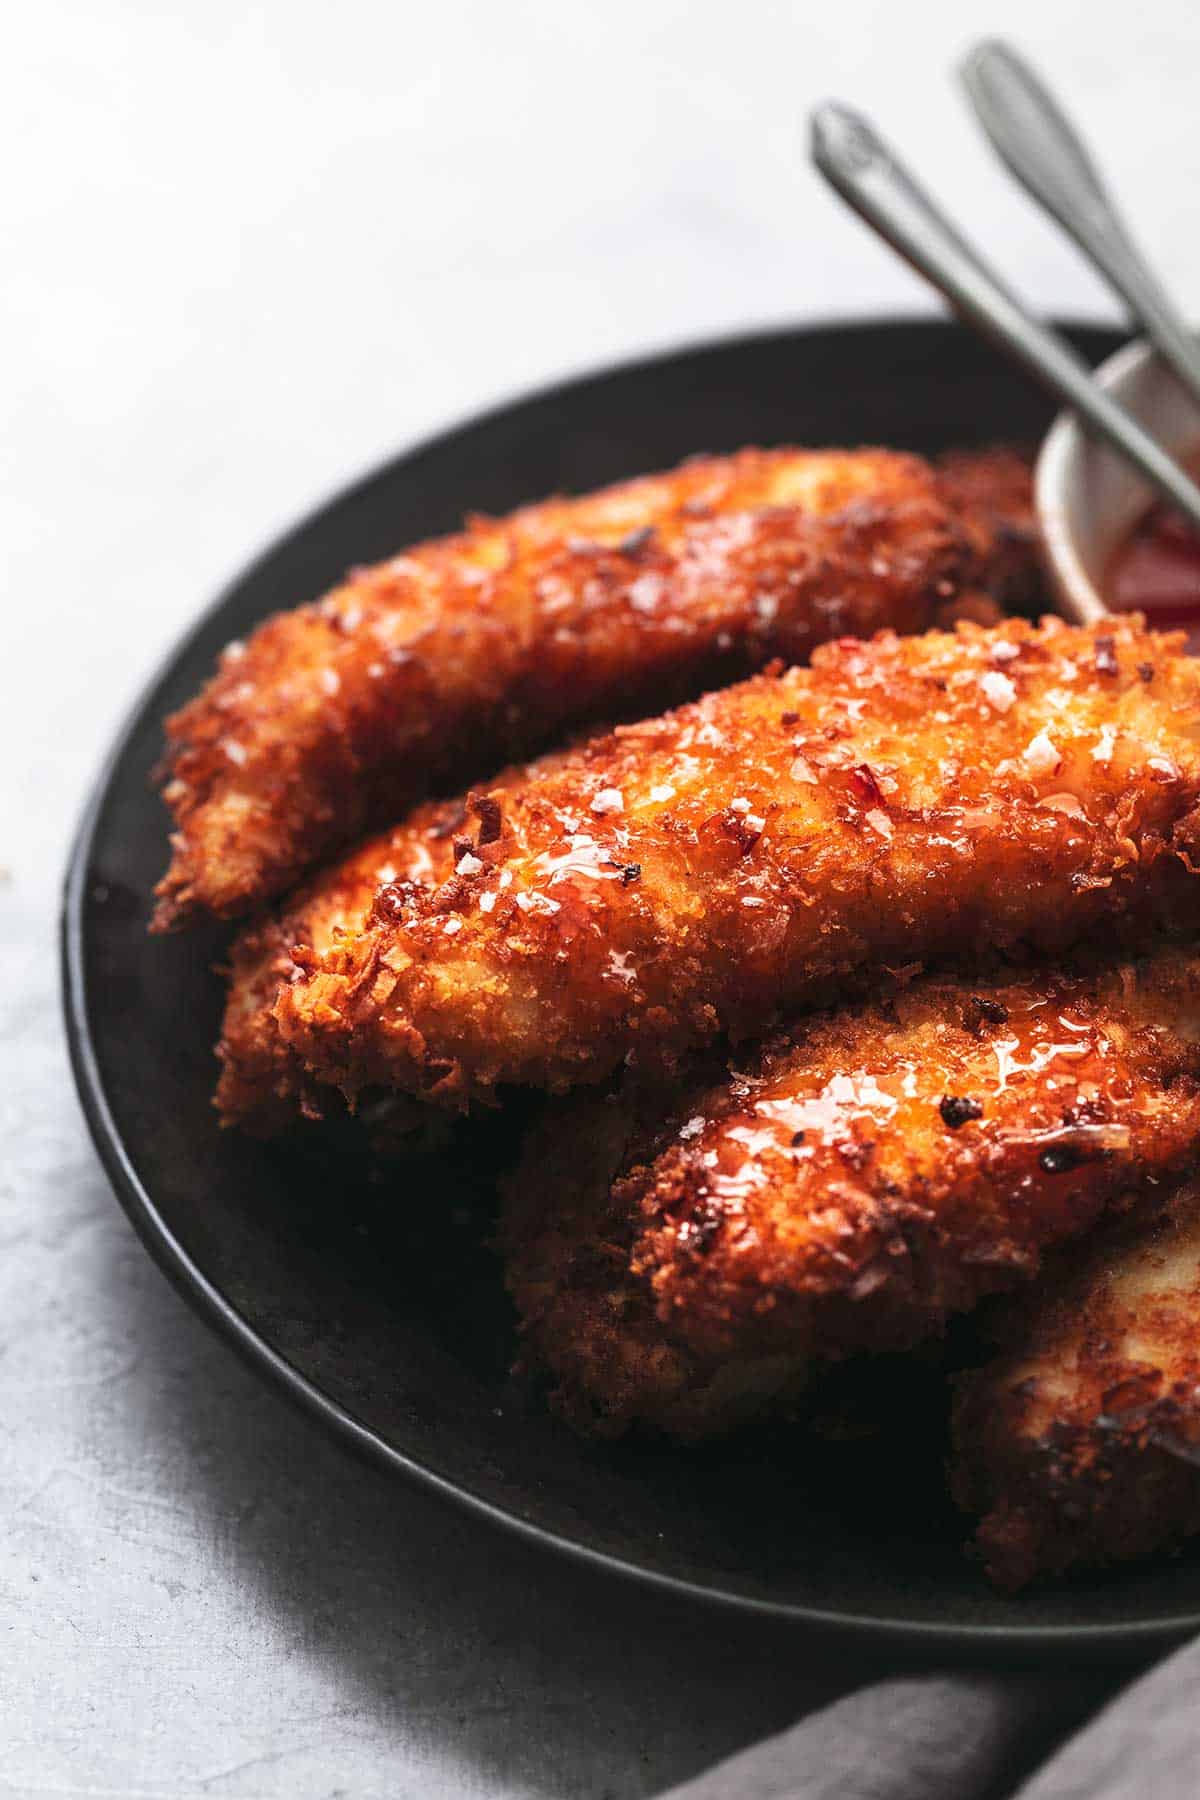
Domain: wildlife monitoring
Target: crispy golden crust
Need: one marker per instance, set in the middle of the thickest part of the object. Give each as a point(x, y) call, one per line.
point(1065, 1443)
point(701, 872)
point(435, 666)
point(263, 1086)
point(865, 1175)
point(990, 493)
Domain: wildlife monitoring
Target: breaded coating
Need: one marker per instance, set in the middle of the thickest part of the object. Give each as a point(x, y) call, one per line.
point(263, 1086)
point(865, 1175)
point(990, 492)
point(704, 872)
point(1080, 1446)
point(433, 668)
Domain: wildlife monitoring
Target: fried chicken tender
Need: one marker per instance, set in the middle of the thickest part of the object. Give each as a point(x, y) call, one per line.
point(432, 668)
point(1080, 1445)
point(700, 873)
point(861, 1178)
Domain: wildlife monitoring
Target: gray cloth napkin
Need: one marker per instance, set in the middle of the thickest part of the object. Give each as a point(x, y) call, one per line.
point(983, 1737)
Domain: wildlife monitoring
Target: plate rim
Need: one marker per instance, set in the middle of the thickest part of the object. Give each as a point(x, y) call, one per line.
point(920, 1638)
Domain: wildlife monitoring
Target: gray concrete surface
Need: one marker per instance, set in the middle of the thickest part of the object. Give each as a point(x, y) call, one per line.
point(246, 250)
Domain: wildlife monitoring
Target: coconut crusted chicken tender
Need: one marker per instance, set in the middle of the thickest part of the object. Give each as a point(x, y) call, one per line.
point(437, 665)
point(1080, 1445)
point(864, 1176)
point(698, 873)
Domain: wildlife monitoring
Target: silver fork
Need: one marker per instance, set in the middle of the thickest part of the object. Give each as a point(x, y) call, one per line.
point(867, 173)
point(1039, 145)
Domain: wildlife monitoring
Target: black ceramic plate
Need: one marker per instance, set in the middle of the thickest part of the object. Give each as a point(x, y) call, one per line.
point(379, 1305)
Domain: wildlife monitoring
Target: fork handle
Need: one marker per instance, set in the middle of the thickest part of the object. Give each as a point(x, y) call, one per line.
point(1042, 149)
point(855, 160)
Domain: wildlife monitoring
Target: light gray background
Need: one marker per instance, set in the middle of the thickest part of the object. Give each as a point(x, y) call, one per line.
point(247, 250)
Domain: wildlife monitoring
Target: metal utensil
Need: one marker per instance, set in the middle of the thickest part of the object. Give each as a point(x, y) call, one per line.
point(1042, 149)
point(865, 171)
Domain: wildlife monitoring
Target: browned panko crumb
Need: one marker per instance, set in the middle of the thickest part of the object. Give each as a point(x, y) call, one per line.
point(435, 666)
point(263, 1086)
point(991, 494)
point(1076, 1445)
point(934, 796)
point(864, 1176)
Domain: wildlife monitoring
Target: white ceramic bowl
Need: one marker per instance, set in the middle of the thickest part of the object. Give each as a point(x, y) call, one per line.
point(1088, 496)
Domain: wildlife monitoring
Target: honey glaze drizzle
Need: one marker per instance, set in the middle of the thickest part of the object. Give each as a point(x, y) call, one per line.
point(1027, 1037)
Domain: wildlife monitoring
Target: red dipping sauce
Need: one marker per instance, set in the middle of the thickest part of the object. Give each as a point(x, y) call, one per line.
point(1157, 571)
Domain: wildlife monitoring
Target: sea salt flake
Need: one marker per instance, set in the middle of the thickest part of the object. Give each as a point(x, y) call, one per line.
point(608, 800)
point(645, 594)
point(468, 864)
point(1040, 754)
point(537, 903)
point(659, 794)
point(1103, 749)
point(998, 690)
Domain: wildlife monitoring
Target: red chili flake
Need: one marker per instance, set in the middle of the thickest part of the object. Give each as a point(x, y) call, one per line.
point(1086, 1112)
point(744, 834)
point(1146, 671)
point(491, 819)
point(956, 1109)
point(864, 785)
point(1106, 656)
point(788, 719)
point(392, 901)
point(980, 1008)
